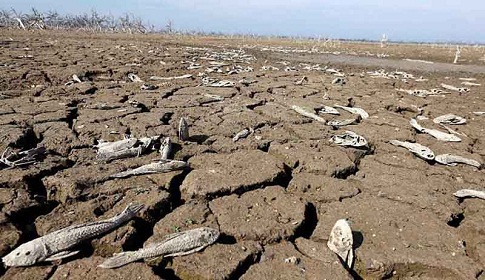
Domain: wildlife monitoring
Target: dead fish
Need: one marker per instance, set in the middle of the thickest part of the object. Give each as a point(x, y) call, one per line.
point(339, 123)
point(449, 119)
point(124, 148)
point(341, 242)
point(453, 131)
point(415, 148)
point(453, 160)
point(329, 110)
point(222, 83)
point(300, 81)
point(464, 193)
point(134, 78)
point(183, 130)
point(242, 134)
point(349, 138)
point(156, 78)
point(442, 136)
point(304, 112)
point(161, 166)
point(354, 110)
point(450, 87)
point(56, 245)
point(166, 148)
point(338, 81)
point(177, 244)
point(148, 87)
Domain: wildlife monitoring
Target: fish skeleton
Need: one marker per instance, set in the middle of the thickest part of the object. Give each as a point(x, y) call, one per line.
point(452, 160)
point(329, 110)
point(177, 244)
point(449, 119)
point(354, 110)
point(442, 136)
point(302, 111)
point(56, 245)
point(415, 148)
point(469, 193)
point(341, 241)
point(161, 166)
point(349, 138)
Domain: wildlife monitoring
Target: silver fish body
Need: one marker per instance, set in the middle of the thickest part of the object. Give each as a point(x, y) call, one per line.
point(177, 244)
point(453, 160)
point(440, 135)
point(415, 148)
point(449, 119)
point(350, 139)
point(354, 110)
point(304, 112)
point(161, 166)
point(56, 245)
point(183, 130)
point(166, 148)
point(464, 193)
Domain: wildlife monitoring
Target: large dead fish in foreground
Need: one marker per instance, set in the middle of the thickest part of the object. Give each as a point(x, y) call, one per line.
point(177, 244)
point(415, 148)
point(453, 160)
point(161, 166)
point(464, 193)
point(56, 245)
point(341, 242)
point(442, 136)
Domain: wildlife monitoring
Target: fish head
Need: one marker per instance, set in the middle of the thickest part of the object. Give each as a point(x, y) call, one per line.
point(209, 235)
point(26, 254)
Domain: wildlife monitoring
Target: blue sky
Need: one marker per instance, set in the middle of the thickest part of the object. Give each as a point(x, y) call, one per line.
point(408, 20)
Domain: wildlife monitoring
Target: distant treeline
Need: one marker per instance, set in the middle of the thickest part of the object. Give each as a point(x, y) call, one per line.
point(128, 23)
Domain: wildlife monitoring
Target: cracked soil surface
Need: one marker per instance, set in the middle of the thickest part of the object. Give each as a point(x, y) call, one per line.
point(274, 194)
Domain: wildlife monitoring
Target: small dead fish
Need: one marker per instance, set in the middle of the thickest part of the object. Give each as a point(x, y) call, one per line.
point(470, 84)
point(177, 244)
point(131, 147)
point(304, 112)
point(134, 78)
point(166, 148)
point(242, 134)
point(453, 160)
point(349, 138)
point(339, 81)
point(415, 148)
point(183, 130)
point(329, 110)
point(354, 110)
point(464, 193)
point(450, 87)
point(339, 123)
point(300, 81)
point(161, 166)
point(341, 242)
point(449, 119)
point(440, 135)
point(148, 87)
point(56, 245)
point(156, 78)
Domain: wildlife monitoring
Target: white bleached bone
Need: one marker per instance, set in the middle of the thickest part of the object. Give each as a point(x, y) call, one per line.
point(341, 242)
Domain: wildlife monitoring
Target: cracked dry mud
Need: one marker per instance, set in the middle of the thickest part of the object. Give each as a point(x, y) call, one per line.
point(274, 195)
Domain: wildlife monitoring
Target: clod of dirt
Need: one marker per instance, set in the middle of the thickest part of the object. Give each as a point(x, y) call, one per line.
point(193, 214)
point(88, 269)
point(280, 213)
point(320, 188)
point(34, 273)
point(314, 157)
point(216, 174)
point(273, 264)
point(9, 236)
point(216, 262)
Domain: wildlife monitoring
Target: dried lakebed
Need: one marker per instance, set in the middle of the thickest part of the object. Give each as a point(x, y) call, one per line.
point(268, 177)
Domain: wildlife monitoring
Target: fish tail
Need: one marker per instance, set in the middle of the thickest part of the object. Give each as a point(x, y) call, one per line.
point(119, 260)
